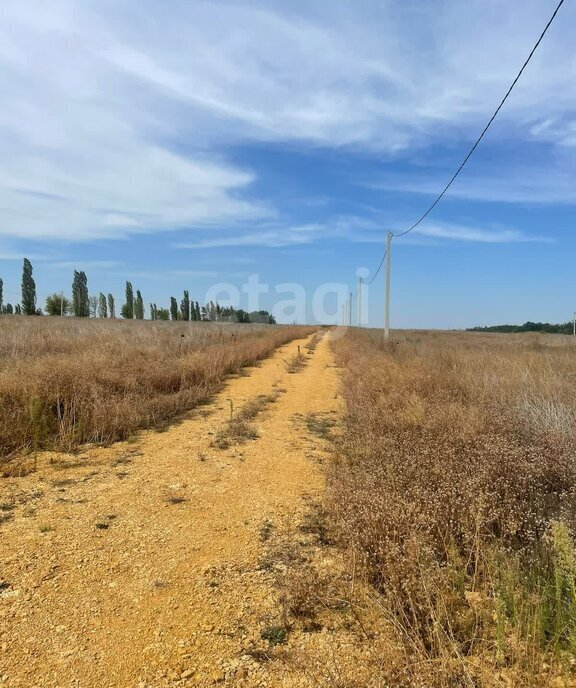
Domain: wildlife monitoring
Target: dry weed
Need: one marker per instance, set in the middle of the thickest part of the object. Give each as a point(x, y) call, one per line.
point(455, 489)
point(66, 381)
point(239, 428)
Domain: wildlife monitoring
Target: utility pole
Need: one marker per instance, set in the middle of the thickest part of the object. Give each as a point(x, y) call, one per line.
point(350, 310)
point(359, 302)
point(387, 317)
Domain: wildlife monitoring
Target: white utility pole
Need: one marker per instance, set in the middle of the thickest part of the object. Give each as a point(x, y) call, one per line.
point(387, 317)
point(359, 302)
point(350, 310)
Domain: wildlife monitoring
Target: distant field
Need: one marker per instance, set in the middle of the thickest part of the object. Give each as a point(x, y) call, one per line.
point(65, 381)
point(454, 494)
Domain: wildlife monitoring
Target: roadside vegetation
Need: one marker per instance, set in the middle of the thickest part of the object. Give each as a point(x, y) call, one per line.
point(67, 381)
point(452, 497)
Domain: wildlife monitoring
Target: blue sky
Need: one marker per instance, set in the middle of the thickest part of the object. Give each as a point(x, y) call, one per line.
point(189, 143)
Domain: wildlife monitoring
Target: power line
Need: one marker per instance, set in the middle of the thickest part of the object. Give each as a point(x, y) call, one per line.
point(390, 235)
point(407, 231)
point(439, 197)
point(375, 275)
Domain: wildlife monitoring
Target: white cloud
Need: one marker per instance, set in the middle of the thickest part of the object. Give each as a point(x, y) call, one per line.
point(505, 184)
point(86, 264)
point(161, 274)
point(110, 193)
point(275, 238)
point(560, 130)
point(475, 234)
point(362, 230)
point(79, 161)
point(370, 74)
point(12, 255)
point(117, 117)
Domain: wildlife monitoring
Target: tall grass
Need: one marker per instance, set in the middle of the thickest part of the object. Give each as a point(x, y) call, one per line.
point(68, 381)
point(455, 488)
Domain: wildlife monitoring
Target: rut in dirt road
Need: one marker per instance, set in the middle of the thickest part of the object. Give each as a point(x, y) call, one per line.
point(139, 564)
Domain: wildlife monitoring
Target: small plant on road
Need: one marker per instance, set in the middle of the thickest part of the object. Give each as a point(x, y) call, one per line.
point(275, 635)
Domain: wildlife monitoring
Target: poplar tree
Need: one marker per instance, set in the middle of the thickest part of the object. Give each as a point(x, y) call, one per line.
point(28, 289)
point(128, 307)
point(1, 293)
point(111, 306)
point(198, 314)
point(80, 300)
point(139, 306)
point(102, 306)
point(185, 306)
point(173, 308)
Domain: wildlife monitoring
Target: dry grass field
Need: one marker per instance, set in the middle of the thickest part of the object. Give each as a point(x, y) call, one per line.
point(69, 381)
point(453, 494)
point(143, 563)
point(351, 513)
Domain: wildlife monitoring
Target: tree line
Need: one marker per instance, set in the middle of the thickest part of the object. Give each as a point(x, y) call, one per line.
point(84, 305)
point(563, 328)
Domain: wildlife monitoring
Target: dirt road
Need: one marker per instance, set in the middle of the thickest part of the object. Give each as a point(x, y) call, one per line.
point(140, 564)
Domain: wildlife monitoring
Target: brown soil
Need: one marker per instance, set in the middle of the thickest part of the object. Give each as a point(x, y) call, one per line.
point(140, 564)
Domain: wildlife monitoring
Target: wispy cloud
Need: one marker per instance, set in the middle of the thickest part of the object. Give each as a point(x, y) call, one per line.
point(365, 74)
point(284, 236)
point(81, 264)
point(19, 255)
point(504, 184)
point(482, 235)
point(118, 118)
point(362, 230)
point(371, 231)
point(559, 129)
point(161, 273)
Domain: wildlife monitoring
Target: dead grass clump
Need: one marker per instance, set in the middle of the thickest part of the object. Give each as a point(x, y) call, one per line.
point(311, 345)
point(455, 489)
point(320, 424)
point(300, 555)
point(239, 428)
point(299, 360)
point(547, 416)
point(296, 363)
point(67, 381)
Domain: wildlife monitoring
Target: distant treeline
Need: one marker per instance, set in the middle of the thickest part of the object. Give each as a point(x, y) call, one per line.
point(565, 328)
point(82, 304)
